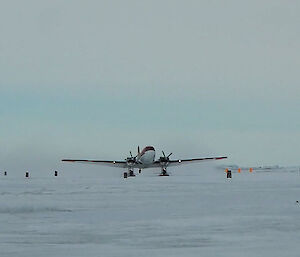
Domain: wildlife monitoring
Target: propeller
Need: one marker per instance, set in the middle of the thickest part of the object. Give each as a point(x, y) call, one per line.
point(164, 158)
point(137, 157)
point(130, 160)
point(165, 155)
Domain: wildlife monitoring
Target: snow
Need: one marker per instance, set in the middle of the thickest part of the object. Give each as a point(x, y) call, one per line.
point(196, 211)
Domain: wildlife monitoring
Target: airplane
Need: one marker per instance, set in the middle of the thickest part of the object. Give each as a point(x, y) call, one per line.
point(145, 159)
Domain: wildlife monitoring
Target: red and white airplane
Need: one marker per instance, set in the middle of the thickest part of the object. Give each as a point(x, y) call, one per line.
point(145, 159)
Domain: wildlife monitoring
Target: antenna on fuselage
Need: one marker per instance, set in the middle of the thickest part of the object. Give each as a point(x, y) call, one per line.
point(139, 150)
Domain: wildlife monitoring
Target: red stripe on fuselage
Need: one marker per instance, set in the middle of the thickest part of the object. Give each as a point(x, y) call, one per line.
point(146, 149)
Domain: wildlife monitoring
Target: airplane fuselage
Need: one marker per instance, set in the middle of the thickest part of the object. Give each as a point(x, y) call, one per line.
point(147, 156)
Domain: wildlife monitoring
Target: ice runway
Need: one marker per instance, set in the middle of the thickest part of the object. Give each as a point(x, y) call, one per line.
point(194, 212)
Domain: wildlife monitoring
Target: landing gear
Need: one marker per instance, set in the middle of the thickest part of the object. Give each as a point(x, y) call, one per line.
point(140, 171)
point(131, 173)
point(164, 172)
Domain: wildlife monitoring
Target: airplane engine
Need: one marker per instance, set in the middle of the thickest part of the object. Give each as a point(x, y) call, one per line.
point(164, 161)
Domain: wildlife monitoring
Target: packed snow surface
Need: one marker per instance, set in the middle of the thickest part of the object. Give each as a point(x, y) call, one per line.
point(194, 212)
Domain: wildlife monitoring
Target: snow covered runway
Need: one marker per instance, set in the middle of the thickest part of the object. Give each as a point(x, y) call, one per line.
point(190, 213)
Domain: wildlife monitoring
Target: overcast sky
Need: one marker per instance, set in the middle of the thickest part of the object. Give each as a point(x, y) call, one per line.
point(94, 79)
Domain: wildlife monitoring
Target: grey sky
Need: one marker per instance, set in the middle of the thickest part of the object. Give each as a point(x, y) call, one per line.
point(95, 78)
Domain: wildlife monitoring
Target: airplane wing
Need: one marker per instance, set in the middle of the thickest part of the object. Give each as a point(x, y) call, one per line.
point(194, 160)
point(187, 161)
point(119, 164)
point(123, 164)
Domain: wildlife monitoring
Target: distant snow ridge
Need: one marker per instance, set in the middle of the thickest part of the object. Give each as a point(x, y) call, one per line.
point(30, 209)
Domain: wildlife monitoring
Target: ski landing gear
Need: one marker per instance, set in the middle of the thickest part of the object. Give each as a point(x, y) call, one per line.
point(130, 173)
point(164, 172)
